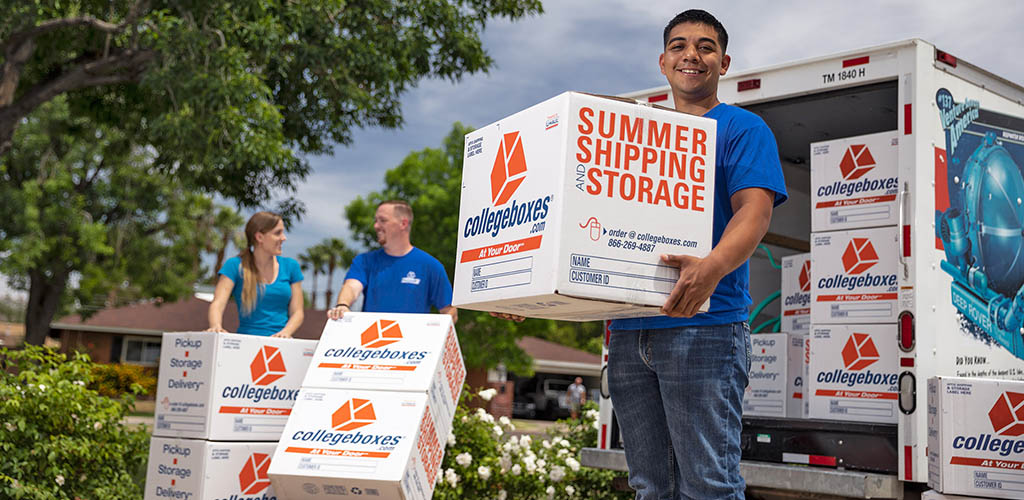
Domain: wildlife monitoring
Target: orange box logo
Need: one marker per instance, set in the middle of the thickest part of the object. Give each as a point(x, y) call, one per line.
point(381, 333)
point(509, 170)
point(267, 366)
point(805, 277)
point(859, 256)
point(355, 413)
point(1007, 414)
point(856, 162)
point(859, 352)
point(253, 477)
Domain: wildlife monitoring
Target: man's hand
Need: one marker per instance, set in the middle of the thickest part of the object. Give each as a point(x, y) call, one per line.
point(697, 281)
point(338, 311)
point(510, 317)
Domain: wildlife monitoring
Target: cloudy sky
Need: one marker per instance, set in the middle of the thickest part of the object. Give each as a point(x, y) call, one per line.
point(612, 46)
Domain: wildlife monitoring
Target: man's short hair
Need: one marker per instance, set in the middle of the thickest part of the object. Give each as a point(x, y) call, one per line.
point(698, 16)
point(401, 208)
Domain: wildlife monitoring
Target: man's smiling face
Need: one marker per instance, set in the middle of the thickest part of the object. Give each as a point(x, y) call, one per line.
point(693, 62)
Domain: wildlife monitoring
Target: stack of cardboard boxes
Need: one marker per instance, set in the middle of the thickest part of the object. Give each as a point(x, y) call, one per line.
point(375, 409)
point(221, 404)
point(852, 372)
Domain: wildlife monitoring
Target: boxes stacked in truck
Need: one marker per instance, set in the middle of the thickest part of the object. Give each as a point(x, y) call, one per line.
point(222, 401)
point(796, 294)
point(775, 387)
point(976, 436)
point(567, 206)
point(854, 286)
point(375, 409)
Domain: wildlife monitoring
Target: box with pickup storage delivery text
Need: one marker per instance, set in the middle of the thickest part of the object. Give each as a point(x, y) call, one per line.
point(226, 386)
point(392, 352)
point(195, 469)
point(366, 444)
point(567, 206)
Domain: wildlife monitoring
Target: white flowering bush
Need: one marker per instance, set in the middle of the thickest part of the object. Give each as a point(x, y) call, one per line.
point(486, 459)
point(60, 438)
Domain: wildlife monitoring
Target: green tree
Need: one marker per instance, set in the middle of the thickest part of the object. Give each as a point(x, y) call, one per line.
point(431, 181)
point(229, 95)
point(82, 200)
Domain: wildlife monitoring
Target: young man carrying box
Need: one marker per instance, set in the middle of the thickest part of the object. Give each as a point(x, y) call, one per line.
point(683, 374)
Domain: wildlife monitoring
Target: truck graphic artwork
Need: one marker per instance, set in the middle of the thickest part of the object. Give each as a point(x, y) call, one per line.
point(979, 202)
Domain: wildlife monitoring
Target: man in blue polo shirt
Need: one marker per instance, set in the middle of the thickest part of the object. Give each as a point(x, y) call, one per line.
point(397, 277)
point(677, 381)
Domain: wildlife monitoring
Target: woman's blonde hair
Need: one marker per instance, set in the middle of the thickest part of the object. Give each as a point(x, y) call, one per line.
point(252, 282)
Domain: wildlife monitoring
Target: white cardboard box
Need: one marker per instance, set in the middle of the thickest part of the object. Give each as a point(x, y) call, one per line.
point(567, 206)
point(854, 182)
point(934, 495)
point(227, 386)
point(382, 445)
point(853, 276)
point(976, 436)
point(853, 373)
point(194, 469)
point(796, 293)
point(776, 372)
point(392, 352)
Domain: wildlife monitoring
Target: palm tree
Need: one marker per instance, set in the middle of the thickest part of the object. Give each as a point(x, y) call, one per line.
point(337, 253)
point(227, 224)
point(315, 258)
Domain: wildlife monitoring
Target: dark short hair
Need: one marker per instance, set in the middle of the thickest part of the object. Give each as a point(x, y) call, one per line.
point(698, 16)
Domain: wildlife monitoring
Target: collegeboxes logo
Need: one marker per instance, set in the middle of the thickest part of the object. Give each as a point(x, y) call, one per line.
point(267, 366)
point(1007, 418)
point(856, 162)
point(859, 352)
point(381, 333)
point(1007, 414)
point(859, 256)
point(355, 413)
point(509, 170)
point(805, 277)
point(253, 477)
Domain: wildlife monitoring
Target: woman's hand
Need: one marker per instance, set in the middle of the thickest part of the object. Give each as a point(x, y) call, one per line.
point(216, 329)
point(282, 335)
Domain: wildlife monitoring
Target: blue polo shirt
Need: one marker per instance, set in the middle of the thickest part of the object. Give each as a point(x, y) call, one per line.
point(411, 283)
point(271, 311)
point(746, 156)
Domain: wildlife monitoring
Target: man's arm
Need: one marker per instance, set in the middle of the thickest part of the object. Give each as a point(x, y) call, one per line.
point(752, 212)
point(451, 311)
point(350, 291)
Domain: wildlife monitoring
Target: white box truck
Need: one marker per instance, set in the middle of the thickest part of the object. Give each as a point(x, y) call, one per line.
point(960, 246)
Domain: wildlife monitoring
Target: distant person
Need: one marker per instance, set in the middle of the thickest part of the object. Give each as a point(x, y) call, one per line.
point(576, 394)
point(266, 287)
point(397, 277)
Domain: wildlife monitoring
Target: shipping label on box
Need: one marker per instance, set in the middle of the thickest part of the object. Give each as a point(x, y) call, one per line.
point(374, 444)
point(193, 469)
point(853, 373)
point(567, 206)
point(796, 293)
point(392, 352)
point(853, 276)
point(854, 182)
point(226, 386)
point(976, 436)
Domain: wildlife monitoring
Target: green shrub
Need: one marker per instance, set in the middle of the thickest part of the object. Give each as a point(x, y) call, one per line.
point(62, 439)
point(116, 379)
point(484, 460)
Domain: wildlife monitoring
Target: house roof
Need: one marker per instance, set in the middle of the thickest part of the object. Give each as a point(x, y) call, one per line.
point(188, 315)
point(552, 357)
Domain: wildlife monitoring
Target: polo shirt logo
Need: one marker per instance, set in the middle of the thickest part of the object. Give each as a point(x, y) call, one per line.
point(410, 279)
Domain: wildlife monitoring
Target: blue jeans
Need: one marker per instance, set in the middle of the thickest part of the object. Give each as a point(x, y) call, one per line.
point(678, 395)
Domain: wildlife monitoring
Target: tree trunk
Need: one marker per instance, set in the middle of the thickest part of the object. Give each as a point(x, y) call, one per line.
point(43, 300)
point(313, 297)
point(330, 283)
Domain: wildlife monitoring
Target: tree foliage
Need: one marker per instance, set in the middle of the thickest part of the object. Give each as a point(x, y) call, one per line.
point(431, 181)
point(229, 95)
point(82, 201)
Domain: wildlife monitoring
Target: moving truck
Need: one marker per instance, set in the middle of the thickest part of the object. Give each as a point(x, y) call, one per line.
point(960, 251)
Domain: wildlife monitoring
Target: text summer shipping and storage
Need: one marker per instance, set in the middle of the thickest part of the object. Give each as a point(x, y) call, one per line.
point(567, 206)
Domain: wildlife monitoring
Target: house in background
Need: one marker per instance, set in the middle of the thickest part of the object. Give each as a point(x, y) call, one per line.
point(131, 334)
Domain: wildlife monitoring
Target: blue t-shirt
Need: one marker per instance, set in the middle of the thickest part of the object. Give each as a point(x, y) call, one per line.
point(746, 156)
point(271, 311)
point(407, 284)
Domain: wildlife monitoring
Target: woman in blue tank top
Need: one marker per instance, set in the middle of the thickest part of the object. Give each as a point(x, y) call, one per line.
point(267, 288)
